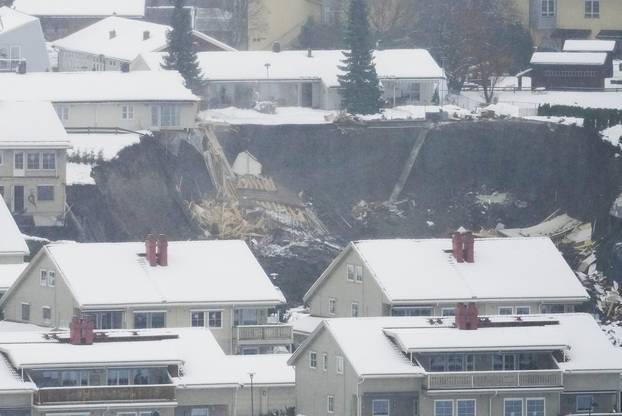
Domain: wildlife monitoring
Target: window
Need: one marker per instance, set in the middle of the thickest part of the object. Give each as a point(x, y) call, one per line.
point(149, 320)
point(214, 319)
point(33, 161)
point(63, 112)
point(380, 407)
point(118, 376)
point(325, 362)
point(71, 378)
point(448, 311)
point(469, 362)
point(523, 310)
point(313, 359)
point(46, 312)
point(552, 308)
point(127, 112)
point(527, 361)
point(330, 404)
point(48, 160)
point(358, 270)
point(585, 403)
point(350, 272)
point(45, 193)
point(506, 310)
point(412, 311)
point(355, 309)
point(339, 364)
point(106, 319)
point(25, 311)
point(513, 407)
point(43, 281)
point(199, 412)
point(1, 157)
point(548, 8)
point(465, 407)
point(197, 319)
point(504, 362)
point(438, 364)
point(18, 161)
point(443, 408)
point(51, 278)
point(249, 316)
point(455, 362)
point(169, 115)
point(332, 306)
point(592, 9)
point(535, 407)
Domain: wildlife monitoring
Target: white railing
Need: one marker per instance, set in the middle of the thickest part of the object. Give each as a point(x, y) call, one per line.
point(486, 379)
point(265, 333)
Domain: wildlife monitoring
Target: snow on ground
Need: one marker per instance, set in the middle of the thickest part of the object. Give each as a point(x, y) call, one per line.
point(566, 121)
point(108, 144)
point(613, 135)
point(79, 174)
point(531, 99)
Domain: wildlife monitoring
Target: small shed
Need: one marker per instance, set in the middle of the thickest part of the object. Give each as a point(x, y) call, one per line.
point(570, 70)
point(246, 164)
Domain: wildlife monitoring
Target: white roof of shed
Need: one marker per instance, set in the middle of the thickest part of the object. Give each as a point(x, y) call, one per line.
point(568, 58)
point(96, 86)
point(589, 45)
point(11, 19)
point(127, 43)
point(198, 272)
point(81, 8)
point(296, 65)
point(11, 240)
point(31, 124)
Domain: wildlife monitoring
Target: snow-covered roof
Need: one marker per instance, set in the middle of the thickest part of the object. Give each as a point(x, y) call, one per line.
point(296, 65)
point(9, 274)
point(81, 8)
point(17, 130)
point(305, 323)
point(420, 271)
point(96, 86)
point(126, 44)
point(11, 19)
point(10, 381)
point(12, 242)
point(199, 272)
point(589, 45)
point(568, 58)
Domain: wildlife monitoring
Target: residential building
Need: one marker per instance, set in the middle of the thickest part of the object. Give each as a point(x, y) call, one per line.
point(536, 365)
point(186, 284)
point(570, 70)
point(551, 22)
point(113, 42)
point(13, 249)
point(307, 78)
point(505, 276)
point(15, 394)
point(21, 42)
point(133, 101)
point(60, 18)
point(33, 161)
point(172, 372)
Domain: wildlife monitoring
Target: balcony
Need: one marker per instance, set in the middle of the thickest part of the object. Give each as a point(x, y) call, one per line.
point(494, 379)
point(105, 394)
point(265, 334)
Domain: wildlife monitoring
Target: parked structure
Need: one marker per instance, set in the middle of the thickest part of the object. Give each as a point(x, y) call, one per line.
point(179, 284)
point(504, 366)
point(570, 70)
point(151, 372)
point(21, 42)
point(33, 159)
point(134, 101)
point(505, 276)
point(13, 249)
point(60, 18)
point(307, 78)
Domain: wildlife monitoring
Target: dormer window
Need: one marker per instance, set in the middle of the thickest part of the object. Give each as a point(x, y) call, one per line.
point(112, 34)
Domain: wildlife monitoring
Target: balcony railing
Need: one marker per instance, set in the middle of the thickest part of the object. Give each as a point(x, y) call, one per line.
point(105, 394)
point(494, 379)
point(265, 333)
point(10, 65)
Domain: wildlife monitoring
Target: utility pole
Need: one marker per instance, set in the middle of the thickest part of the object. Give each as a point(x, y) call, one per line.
point(251, 375)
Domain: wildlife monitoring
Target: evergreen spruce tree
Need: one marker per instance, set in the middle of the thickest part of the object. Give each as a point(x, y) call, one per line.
point(181, 55)
point(360, 90)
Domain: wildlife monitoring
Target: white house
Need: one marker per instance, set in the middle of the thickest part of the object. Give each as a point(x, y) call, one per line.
point(115, 41)
point(21, 42)
point(13, 249)
point(156, 100)
point(308, 78)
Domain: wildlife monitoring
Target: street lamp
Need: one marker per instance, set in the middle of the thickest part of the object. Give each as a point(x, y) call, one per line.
point(251, 375)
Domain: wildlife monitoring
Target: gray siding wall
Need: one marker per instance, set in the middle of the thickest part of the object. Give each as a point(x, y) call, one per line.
point(29, 38)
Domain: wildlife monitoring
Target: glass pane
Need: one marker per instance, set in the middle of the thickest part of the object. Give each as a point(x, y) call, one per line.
point(140, 376)
point(158, 319)
point(535, 407)
point(113, 377)
point(140, 320)
point(124, 376)
point(380, 407)
point(198, 319)
point(513, 408)
point(466, 407)
point(443, 408)
point(215, 319)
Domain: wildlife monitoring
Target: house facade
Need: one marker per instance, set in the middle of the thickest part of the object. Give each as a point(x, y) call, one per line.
point(21, 42)
point(536, 366)
point(33, 162)
point(134, 101)
point(192, 284)
point(505, 276)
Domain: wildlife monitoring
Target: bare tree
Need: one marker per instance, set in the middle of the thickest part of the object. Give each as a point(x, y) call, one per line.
point(389, 18)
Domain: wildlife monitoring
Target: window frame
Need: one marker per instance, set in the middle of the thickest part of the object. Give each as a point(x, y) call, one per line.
point(355, 305)
point(324, 361)
point(339, 364)
point(474, 401)
point(350, 272)
point(33, 157)
point(21, 311)
point(332, 306)
point(43, 309)
point(40, 189)
point(373, 410)
point(358, 273)
point(127, 112)
point(1, 157)
point(452, 310)
point(507, 308)
point(330, 403)
point(149, 318)
point(591, 12)
point(548, 8)
point(527, 307)
point(43, 277)
point(43, 161)
point(443, 401)
point(208, 320)
point(313, 360)
point(513, 399)
point(532, 399)
point(580, 396)
point(51, 278)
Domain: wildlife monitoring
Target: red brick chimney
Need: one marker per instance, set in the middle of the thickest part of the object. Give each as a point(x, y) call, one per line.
point(457, 246)
point(162, 250)
point(150, 250)
point(81, 331)
point(469, 247)
point(467, 316)
point(463, 246)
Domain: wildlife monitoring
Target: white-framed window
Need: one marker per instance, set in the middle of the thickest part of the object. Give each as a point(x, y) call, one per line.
point(169, 115)
point(51, 278)
point(45, 193)
point(443, 408)
point(330, 403)
point(207, 319)
point(355, 309)
point(592, 9)
point(214, 319)
point(448, 311)
point(62, 111)
point(380, 407)
point(506, 310)
point(127, 112)
point(523, 310)
point(312, 359)
point(325, 362)
point(549, 8)
point(197, 319)
point(535, 406)
point(339, 364)
point(412, 311)
point(149, 319)
point(465, 407)
point(350, 272)
point(33, 160)
point(332, 306)
point(358, 271)
point(43, 280)
point(552, 308)
point(48, 160)
point(504, 362)
point(46, 313)
point(25, 311)
point(203, 411)
point(512, 407)
point(585, 403)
